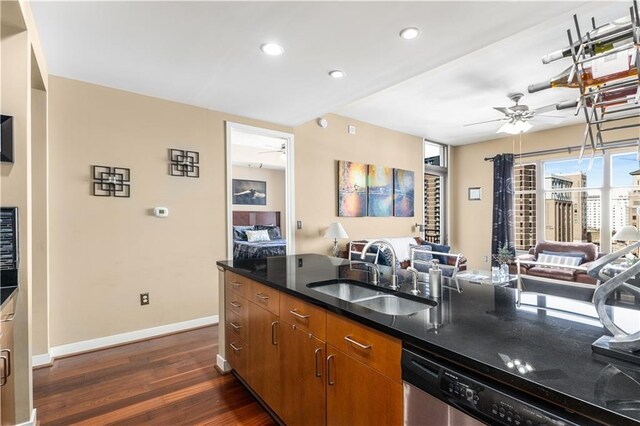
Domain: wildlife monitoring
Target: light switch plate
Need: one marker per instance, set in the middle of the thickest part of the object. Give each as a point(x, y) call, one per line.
point(299, 224)
point(352, 129)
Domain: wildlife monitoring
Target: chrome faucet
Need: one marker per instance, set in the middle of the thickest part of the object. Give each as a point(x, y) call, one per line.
point(375, 273)
point(414, 273)
point(394, 259)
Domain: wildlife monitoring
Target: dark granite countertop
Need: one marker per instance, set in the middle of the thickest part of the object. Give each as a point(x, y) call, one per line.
point(482, 327)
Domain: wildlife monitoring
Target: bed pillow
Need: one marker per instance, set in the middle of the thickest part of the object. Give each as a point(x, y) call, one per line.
point(273, 230)
point(257, 236)
point(240, 232)
point(569, 254)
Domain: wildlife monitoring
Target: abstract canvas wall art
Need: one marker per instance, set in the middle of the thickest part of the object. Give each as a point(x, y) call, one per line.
point(352, 189)
point(380, 191)
point(403, 192)
point(251, 192)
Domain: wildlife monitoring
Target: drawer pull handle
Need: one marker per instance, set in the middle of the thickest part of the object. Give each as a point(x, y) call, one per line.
point(236, 284)
point(318, 352)
point(329, 381)
point(274, 327)
point(234, 325)
point(9, 317)
point(262, 296)
point(234, 347)
point(358, 344)
point(235, 304)
point(301, 316)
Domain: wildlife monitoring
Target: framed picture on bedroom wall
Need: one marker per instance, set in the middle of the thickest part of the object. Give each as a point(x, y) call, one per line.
point(249, 192)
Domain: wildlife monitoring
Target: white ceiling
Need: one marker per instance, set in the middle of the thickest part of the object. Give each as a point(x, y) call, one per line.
point(250, 150)
point(207, 54)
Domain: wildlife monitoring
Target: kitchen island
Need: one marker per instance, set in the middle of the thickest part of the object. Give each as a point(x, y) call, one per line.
point(480, 329)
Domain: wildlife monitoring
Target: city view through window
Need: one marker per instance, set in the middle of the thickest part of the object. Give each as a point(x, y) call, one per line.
point(573, 204)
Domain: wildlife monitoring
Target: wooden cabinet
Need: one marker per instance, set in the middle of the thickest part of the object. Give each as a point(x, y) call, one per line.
point(264, 356)
point(312, 367)
point(7, 389)
point(359, 395)
point(302, 379)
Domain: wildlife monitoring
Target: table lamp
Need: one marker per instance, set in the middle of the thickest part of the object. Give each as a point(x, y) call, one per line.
point(628, 234)
point(335, 231)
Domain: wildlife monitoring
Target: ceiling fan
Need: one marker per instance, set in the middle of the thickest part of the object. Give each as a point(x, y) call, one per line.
point(282, 150)
point(518, 116)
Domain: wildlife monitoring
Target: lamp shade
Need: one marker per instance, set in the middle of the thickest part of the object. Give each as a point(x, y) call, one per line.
point(627, 233)
point(336, 230)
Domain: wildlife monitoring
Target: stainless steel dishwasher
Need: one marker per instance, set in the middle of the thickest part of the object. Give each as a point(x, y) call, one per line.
point(438, 394)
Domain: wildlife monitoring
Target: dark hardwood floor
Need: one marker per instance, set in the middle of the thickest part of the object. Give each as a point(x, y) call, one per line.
point(168, 380)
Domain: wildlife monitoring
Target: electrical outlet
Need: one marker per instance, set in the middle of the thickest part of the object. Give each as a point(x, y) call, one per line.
point(299, 224)
point(144, 298)
point(486, 259)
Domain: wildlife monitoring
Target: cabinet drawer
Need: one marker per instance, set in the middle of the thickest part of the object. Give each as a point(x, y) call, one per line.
point(265, 297)
point(238, 305)
point(304, 315)
point(378, 350)
point(237, 354)
point(238, 327)
point(238, 284)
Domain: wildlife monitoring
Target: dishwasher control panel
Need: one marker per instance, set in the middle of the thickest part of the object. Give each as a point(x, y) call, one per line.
point(492, 403)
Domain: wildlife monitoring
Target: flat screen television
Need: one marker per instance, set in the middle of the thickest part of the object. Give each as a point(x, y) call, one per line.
point(6, 138)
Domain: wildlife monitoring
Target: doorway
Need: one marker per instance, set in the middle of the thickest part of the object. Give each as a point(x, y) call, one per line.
point(260, 192)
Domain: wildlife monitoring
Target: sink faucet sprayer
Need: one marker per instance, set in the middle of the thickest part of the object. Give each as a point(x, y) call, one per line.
point(382, 244)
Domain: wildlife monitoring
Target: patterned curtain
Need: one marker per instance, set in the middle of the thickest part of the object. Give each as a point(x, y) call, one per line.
point(504, 229)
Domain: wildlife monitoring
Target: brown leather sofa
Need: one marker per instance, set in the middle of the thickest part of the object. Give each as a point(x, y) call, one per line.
point(577, 275)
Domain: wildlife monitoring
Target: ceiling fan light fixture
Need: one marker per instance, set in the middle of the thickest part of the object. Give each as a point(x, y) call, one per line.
point(514, 128)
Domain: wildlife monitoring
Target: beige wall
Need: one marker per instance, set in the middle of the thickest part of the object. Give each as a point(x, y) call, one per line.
point(275, 190)
point(106, 251)
point(316, 153)
point(471, 221)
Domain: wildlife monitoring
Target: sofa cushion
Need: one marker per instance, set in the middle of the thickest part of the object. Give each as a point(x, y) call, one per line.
point(558, 260)
point(420, 255)
point(554, 273)
point(440, 248)
point(569, 254)
point(590, 250)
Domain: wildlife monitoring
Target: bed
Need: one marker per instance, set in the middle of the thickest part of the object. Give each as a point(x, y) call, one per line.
point(250, 221)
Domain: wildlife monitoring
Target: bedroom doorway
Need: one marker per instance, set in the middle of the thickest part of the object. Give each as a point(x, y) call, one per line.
point(260, 192)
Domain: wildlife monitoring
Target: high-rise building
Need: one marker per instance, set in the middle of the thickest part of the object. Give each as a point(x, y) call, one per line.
point(525, 206)
point(566, 211)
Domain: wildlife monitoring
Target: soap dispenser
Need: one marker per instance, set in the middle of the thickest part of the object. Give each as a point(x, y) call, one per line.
point(435, 280)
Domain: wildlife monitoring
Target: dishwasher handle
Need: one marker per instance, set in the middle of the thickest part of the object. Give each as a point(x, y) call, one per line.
point(421, 372)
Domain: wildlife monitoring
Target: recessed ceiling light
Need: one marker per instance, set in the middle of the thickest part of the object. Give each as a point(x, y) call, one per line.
point(410, 33)
point(272, 49)
point(336, 74)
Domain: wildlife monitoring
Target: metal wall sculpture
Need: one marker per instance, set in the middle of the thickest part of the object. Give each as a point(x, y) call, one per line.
point(184, 163)
point(111, 181)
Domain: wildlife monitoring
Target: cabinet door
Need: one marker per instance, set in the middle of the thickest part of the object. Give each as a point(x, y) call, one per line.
point(264, 356)
point(302, 377)
point(359, 395)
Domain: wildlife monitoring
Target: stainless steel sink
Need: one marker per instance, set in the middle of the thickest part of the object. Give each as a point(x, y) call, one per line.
point(392, 305)
point(346, 291)
point(371, 298)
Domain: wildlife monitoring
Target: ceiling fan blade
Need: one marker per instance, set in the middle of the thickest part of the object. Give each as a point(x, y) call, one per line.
point(551, 119)
point(503, 110)
point(488, 121)
point(550, 116)
point(544, 109)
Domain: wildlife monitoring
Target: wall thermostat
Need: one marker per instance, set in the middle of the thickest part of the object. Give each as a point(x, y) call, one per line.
point(161, 212)
point(322, 122)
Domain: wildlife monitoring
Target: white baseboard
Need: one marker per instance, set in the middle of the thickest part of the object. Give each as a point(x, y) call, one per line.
point(40, 360)
point(118, 339)
point(32, 421)
point(222, 364)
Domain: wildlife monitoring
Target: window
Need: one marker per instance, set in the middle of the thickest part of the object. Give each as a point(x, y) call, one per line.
point(625, 193)
point(572, 200)
point(435, 176)
point(525, 205)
